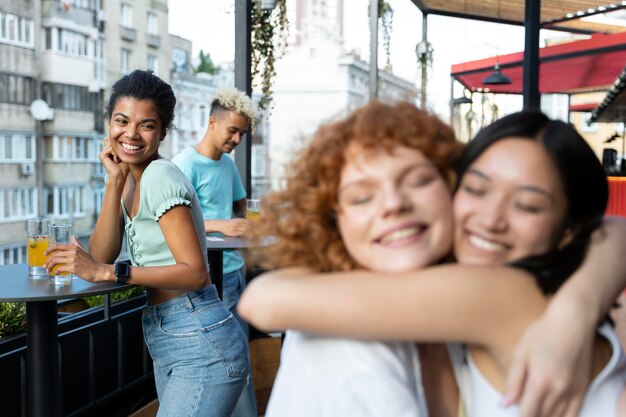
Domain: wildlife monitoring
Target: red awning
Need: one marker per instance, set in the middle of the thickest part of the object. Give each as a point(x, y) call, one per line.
point(587, 65)
point(584, 107)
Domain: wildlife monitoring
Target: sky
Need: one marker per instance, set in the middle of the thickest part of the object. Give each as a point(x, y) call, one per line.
point(209, 24)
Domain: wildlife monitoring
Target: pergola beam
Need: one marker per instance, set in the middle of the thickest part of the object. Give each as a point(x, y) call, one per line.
point(243, 82)
point(530, 89)
point(373, 87)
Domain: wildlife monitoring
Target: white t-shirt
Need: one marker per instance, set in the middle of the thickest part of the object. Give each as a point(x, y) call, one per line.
point(329, 377)
point(481, 398)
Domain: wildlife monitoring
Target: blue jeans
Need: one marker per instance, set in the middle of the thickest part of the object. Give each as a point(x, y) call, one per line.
point(200, 355)
point(233, 285)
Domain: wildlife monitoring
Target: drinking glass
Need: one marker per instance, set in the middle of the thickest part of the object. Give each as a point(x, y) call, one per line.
point(38, 239)
point(60, 233)
point(253, 210)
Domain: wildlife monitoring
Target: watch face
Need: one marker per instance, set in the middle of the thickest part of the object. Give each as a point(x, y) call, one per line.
point(121, 271)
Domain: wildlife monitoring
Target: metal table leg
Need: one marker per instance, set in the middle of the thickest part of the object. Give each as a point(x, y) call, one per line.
point(42, 360)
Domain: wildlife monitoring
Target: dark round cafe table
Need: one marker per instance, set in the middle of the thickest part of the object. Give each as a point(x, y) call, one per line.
point(217, 244)
point(42, 354)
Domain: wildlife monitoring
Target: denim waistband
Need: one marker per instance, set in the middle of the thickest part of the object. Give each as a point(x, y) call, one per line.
point(190, 301)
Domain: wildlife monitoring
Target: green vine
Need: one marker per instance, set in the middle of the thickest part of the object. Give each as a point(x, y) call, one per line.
point(269, 40)
point(385, 15)
point(97, 300)
point(12, 318)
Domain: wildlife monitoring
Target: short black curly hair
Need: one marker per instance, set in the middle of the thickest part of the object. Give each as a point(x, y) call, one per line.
point(144, 85)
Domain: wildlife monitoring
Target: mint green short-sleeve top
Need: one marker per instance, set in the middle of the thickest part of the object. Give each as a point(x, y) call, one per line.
point(162, 187)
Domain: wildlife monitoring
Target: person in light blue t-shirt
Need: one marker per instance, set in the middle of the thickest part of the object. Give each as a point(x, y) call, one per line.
point(223, 196)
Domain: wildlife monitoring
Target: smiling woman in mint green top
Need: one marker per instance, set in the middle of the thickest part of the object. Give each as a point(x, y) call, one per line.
point(198, 349)
point(163, 186)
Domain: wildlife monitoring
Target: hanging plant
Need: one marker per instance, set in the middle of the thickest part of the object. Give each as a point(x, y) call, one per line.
point(385, 15)
point(424, 51)
point(269, 40)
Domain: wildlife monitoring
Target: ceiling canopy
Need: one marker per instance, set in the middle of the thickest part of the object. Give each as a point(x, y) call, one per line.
point(569, 15)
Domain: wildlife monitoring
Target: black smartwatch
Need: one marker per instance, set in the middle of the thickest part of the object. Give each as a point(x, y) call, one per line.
point(122, 272)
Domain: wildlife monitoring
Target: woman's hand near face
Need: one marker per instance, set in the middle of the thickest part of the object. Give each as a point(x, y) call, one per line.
point(552, 365)
point(73, 258)
point(115, 168)
point(551, 368)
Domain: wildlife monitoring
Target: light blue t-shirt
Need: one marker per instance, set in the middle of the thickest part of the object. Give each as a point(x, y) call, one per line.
point(218, 185)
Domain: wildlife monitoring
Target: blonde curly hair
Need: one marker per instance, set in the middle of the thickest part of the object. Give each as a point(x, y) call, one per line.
point(231, 99)
point(303, 216)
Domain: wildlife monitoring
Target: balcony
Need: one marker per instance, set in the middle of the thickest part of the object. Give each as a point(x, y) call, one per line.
point(128, 34)
point(153, 41)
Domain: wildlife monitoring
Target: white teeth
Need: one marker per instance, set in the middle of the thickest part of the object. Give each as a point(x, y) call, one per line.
point(130, 147)
point(400, 234)
point(485, 244)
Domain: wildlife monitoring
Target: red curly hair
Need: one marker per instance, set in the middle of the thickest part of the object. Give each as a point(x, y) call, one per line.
point(303, 215)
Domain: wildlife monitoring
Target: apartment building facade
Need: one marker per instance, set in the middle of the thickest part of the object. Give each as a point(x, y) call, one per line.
point(52, 54)
point(64, 55)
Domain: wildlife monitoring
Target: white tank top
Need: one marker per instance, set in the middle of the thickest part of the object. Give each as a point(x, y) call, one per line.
point(482, 399)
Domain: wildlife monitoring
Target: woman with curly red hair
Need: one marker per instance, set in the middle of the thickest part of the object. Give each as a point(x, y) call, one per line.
point(389, 148)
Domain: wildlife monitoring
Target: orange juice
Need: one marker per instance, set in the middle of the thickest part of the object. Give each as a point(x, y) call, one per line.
point(37, 245)
point(253, 215)
point(59, 274)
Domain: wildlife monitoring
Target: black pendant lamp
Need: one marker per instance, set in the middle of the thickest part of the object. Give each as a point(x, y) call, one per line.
point(496, 77)
point(464, 99)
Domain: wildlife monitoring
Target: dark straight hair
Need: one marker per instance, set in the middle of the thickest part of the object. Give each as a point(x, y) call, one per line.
point(580, 172)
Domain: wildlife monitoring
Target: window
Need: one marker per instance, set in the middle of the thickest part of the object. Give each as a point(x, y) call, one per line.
point(82, 4)
point(126, 16)
point(153, 63)
point(70, 148)
point(69, 97)
point(258, 161)
point(98, 196)
point(152, 27)
point(16, 30)
point(66, 200)
point(180, 58)
point(202, 112)
point(18, 203)
point(125, 61)
point(71, 42)
point(16, 89)
point(17, 148)
point(48, 32)
point(98, 170)
point(12, 255)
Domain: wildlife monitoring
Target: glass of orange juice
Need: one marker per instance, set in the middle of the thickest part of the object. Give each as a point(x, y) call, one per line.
point(253, 209)
point(60, 233)
point(38, 239)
